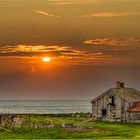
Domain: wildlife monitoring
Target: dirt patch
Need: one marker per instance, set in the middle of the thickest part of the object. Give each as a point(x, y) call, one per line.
point(101, 130)
point(77, 129)
point(81, 129)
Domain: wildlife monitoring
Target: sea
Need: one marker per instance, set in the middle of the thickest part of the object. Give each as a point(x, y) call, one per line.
point(44, 106)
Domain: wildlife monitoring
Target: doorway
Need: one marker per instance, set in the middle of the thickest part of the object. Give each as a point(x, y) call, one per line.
point(103, 112)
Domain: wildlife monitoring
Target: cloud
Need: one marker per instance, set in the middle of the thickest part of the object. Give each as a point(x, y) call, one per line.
point(27, 50)
point(47, 14)
point(70, 2)
point(111, 14)
point(113, 41)
point(66, 54)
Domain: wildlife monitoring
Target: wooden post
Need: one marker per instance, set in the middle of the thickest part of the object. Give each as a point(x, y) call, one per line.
point(29, 121)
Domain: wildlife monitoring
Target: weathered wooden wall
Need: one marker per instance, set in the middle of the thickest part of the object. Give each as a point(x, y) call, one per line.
point(120, 109)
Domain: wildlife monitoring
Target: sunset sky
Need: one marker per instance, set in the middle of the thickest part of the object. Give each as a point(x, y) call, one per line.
point(91, 45)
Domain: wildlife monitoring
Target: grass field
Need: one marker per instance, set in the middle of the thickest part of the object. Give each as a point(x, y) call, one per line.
point(88, 130)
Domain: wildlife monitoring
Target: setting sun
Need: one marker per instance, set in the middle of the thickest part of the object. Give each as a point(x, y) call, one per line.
point(46, 59)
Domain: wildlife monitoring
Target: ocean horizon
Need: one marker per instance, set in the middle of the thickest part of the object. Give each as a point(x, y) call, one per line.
point(44, 106)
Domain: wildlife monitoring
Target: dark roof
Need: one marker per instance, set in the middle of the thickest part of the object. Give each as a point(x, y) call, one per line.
point(129, 94)
point(135, 108)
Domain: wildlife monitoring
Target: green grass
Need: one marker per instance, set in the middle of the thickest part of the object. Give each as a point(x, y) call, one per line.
point(114, 130)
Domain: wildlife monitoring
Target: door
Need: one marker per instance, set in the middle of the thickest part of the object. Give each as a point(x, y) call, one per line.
point(103, 112)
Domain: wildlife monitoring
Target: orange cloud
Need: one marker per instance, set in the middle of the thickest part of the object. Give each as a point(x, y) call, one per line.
point(113, 41)
point(69, 2)
point(63, 54)
point(46, 14)
point(111, 14)
point(68, 56)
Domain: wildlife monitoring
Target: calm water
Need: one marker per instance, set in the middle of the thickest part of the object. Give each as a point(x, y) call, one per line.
point(44, 106)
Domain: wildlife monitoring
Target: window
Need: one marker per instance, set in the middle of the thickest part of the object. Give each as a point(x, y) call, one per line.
point(112, 100)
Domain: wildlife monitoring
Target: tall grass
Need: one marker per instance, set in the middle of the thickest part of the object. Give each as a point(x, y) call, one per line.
point(113, 130)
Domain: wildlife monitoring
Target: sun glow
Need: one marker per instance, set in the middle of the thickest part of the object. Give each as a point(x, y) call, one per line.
point(46, 59)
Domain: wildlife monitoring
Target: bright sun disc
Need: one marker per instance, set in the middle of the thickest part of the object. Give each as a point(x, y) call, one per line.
point(46, 59)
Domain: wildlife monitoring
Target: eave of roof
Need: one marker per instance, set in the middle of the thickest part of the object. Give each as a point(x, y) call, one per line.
point(98, 97)
point(129, 94)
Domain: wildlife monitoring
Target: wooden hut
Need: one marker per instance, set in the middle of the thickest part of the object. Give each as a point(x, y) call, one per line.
point(116, 104)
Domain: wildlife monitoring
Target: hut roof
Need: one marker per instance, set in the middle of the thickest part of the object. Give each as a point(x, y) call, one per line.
point(129, 94)
point(135, 108)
